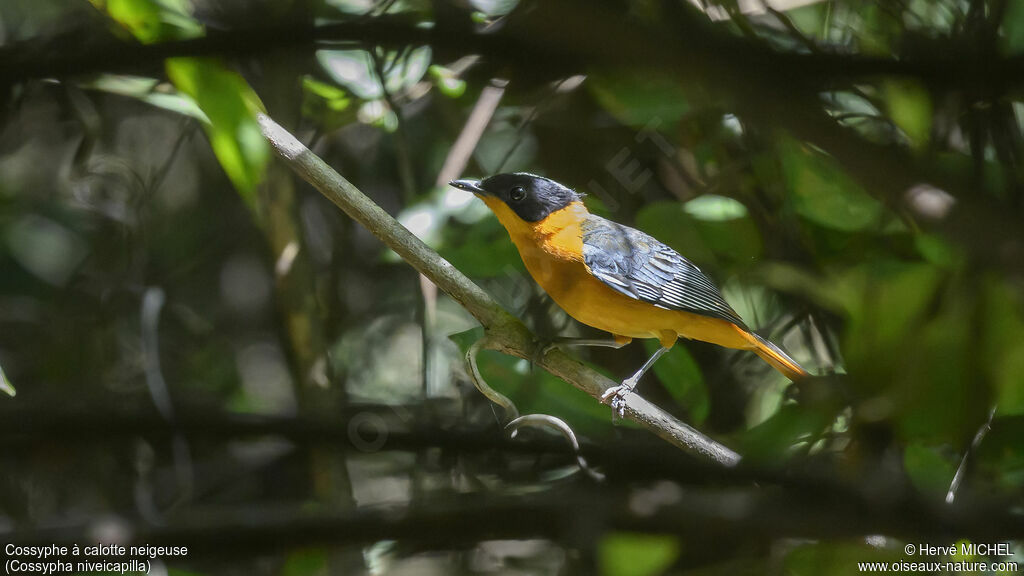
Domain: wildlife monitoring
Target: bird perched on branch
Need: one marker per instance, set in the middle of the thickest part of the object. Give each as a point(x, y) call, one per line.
point(615, 278)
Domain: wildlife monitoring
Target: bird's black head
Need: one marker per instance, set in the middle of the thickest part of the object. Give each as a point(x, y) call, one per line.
point(531, 197)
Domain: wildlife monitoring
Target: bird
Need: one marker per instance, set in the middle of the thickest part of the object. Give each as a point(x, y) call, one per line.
point(615, 278)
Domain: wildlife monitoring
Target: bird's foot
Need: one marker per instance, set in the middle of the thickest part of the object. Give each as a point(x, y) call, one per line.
point(616, 396)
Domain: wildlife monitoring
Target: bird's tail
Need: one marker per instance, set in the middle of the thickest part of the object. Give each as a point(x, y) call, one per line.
point(778, 359)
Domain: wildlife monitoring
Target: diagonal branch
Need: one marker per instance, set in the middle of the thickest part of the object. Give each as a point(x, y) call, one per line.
point(505, 333)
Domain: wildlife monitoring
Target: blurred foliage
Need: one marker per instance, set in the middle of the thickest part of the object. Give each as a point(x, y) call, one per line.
point(228, 104)
point(909, 302)
point(637, 555)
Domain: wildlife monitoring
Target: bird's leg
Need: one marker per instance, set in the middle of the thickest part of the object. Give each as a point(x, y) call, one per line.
point(616, 342)
point(616, 395)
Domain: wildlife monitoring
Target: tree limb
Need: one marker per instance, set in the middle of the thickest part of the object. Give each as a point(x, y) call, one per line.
point(505, 333)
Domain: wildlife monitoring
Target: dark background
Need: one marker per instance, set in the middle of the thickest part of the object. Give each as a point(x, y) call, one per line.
point(206, 352)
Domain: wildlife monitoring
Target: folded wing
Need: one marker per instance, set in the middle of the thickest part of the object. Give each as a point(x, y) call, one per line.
point(639, 266)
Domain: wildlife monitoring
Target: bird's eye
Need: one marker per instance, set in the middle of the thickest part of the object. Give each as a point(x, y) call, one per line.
point(517, 194)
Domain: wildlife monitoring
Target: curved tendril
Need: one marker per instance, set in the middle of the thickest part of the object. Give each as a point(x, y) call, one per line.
point(493, 395)
point(545, 421)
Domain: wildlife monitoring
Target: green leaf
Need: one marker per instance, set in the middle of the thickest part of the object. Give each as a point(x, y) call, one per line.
point(354, 69)
point(358, 7)
point(534, 390)
point(791, 427)
point(1013, 29)
point(822, 192)
point(484, 251)
point(223, 96)
point(1003, 345)
point(446, 81)
point(148, 90)
point(1001, 455)
point(939, 252)
point(308, 562)
point(626, 554)
point(932, 377)
point(231, 105)
point(910, 107)
point(928, 469)
point(326, 105)
point(5, 384)
point(681, 376)
point(640, 99)
point(701, 240)
point(836, 558)
point(467, 338)
point(153, 20)
point(494, 7)
point(713, 208)
point(886, 304)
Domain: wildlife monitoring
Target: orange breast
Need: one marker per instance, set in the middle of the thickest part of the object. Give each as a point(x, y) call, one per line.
point(552, 252)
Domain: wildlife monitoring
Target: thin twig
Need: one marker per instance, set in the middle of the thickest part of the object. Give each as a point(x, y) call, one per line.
point(505, 332)
point(479, 118)
point(548, 422)
point(152, 305)
point(958, 478)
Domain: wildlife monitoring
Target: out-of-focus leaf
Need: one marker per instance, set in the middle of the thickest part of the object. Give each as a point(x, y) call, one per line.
point(228, 102)
point(821, 191)
point(446, 82)
point(354, 69)
point(328, 106)
point(467, 338)
point(681, 376)
point(885, 305)
point(938, 251)
point(46, 248)
point(949, 164)
point(794, 280)
point(879, 30)
point(640, 99)
point(1001, 455)
point(713, 208)
point(501, 138)
point(534, 390)
point(309, 562)
point(231, 105)
point(1003, 347)
point(790, 428)
point(149, 91)
point(626, 554)
point(701, 240)
point(494, 7)
point(153, 20)
point(837, 558)
point(424, 220)
point(910, 107)
point(671, 224)
point(1013, 29)
point(930, 472)
point(352, 6)
point(5, 384)
point(810, 19)
point(378, 113)
point(931, 378)
point(483, 252)
point(1009, 381)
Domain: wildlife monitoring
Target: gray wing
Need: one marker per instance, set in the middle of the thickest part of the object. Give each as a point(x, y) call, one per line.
point(640, 267)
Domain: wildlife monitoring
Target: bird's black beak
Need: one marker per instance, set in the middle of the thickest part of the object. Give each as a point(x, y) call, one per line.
point(469, 186)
